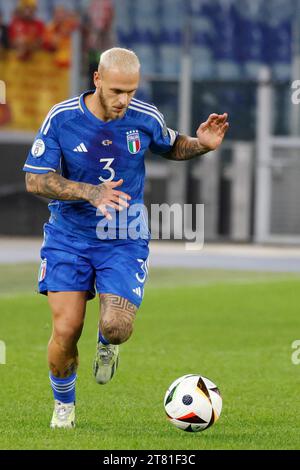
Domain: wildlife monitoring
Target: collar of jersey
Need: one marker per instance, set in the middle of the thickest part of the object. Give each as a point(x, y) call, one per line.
point(90, 115)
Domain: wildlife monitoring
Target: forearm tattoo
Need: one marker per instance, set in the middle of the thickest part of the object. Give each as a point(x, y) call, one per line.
point(55, 186)
point(185, 148)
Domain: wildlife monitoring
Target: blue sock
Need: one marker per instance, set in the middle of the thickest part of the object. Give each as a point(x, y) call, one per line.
point(102, 339)
point(63, 389)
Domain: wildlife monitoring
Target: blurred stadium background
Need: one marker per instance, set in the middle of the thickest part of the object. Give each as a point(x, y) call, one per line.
point(198, 57)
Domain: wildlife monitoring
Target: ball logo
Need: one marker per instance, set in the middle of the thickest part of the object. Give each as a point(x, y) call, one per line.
point(38, 148)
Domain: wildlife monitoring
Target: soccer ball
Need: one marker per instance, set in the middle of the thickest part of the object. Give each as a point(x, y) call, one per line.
point(193, 403)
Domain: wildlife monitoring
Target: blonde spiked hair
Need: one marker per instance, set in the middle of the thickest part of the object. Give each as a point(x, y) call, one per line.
point(120, 59)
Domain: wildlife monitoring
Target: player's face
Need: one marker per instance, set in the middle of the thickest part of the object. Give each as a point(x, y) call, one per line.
point(115, 91)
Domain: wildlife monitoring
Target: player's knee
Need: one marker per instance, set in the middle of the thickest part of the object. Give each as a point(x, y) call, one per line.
point(67, 334)
point(116, 331)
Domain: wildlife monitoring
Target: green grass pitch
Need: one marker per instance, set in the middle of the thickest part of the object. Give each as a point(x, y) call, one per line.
point(235, 328)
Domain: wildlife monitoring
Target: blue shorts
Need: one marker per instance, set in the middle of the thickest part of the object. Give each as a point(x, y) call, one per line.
point(70, 263)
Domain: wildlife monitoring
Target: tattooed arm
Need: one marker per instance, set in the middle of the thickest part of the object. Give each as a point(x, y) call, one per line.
point(55, 186)
point(185, 148)
point(210, 135)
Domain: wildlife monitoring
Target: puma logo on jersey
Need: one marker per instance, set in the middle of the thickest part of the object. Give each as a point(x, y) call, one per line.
point(80, 148)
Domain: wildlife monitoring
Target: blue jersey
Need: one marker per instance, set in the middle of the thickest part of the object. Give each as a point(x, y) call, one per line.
point(85, 149)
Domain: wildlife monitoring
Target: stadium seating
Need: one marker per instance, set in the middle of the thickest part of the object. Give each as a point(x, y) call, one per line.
point(229, 39)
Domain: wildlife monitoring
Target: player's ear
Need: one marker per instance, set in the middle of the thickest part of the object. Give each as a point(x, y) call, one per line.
point(97, 79)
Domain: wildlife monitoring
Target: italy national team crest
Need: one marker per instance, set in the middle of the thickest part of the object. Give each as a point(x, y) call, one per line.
point(133, 141)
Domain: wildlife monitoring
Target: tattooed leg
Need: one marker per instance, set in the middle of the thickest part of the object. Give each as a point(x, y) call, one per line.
point(117, 318)
point(66, 363)
point(68, 310)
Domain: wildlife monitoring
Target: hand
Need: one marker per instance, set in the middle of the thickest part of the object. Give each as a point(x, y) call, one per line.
point(211, 132)
point(105, 195)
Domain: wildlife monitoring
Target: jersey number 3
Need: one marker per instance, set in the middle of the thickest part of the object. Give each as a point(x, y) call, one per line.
point(107, 167)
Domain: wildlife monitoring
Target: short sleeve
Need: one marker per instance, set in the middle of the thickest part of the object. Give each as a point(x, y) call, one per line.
point(45, 153)
point(163, 138)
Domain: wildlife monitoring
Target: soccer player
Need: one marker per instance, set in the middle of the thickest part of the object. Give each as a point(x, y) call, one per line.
point(88, 158)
